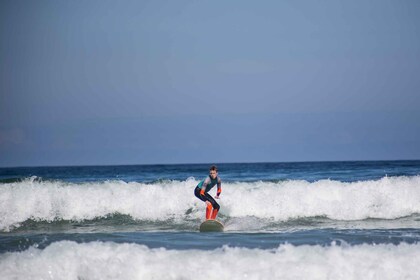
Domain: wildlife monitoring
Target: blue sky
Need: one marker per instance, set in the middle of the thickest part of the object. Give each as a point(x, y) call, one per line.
point(139, 82)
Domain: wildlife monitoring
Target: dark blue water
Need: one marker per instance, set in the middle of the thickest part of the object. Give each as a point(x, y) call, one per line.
point(210, 241)
point(311, 171)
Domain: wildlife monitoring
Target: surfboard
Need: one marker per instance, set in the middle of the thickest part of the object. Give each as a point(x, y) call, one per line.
point(211, 225)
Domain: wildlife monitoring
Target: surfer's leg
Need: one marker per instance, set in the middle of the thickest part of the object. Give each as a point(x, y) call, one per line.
point(212, 201)
point(209, 210)
point(198, 195)
point(214, 214)
point(215, 206)
point(209, 206)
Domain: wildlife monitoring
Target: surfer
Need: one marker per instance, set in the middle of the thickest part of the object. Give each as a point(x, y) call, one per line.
point(202, 189)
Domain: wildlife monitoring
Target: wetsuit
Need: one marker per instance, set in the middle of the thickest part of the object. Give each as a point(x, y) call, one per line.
point(202, 189)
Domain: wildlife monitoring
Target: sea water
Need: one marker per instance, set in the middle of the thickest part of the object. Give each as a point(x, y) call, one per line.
point(312, 220)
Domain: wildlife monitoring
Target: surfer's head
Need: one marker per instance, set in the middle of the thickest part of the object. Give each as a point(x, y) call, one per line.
point(213, 172)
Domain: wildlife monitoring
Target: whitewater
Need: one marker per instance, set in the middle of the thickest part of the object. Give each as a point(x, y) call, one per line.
point(97, 260)
point(37, 200)
point(325, 220)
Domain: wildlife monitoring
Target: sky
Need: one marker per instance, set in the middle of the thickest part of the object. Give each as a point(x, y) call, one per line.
point(151, 82)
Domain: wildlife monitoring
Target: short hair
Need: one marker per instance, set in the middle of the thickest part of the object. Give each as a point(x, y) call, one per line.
point(213, 167)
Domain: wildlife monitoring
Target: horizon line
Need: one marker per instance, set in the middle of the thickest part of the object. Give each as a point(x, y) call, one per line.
point(203, 163)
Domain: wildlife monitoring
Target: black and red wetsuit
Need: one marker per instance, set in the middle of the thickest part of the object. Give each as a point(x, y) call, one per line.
point(202, 189)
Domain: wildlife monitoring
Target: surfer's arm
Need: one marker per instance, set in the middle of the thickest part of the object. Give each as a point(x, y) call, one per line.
point(219, 188)
point(203, 187)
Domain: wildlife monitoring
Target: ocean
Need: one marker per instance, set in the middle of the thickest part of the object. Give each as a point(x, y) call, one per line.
point(301, 220)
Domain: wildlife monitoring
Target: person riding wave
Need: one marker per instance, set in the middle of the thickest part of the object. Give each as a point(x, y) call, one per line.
point(202, 189)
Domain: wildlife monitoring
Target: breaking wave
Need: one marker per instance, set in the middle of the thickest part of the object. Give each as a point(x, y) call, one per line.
point(34, 199)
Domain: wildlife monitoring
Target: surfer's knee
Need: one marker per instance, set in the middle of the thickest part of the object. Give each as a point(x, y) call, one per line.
point(216, 206)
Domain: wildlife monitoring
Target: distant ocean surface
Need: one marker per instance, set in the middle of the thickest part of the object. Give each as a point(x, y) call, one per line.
point(309, 220)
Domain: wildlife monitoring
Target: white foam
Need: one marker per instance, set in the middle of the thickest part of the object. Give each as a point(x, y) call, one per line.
point(387, 198)
point(96, 260)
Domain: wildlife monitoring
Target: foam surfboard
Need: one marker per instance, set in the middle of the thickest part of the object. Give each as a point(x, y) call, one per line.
point(211, 225)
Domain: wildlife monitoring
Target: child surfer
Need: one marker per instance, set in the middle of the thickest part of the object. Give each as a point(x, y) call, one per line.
point(202, 189)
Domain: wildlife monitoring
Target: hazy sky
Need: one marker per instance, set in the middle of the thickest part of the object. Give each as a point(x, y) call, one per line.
point(138, 82)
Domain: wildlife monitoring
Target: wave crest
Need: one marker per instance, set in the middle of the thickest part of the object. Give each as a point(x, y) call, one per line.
point(31, 199)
